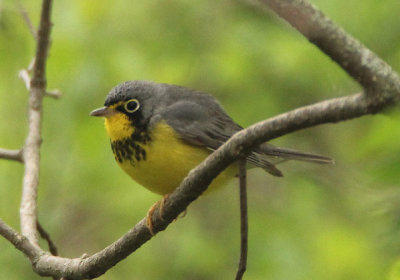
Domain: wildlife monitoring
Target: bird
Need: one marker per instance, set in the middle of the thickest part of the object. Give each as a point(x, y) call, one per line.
point(159, 132)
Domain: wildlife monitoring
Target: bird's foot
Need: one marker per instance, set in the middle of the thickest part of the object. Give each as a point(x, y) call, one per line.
point(149, 216)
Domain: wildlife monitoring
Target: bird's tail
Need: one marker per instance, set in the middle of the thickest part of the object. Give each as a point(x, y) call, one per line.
point(267, 156)
point(282, 154)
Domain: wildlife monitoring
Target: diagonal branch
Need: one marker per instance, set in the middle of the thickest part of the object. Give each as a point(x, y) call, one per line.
point(28, 209)
point(20, 242)
point(375, 75)
point(44, 234)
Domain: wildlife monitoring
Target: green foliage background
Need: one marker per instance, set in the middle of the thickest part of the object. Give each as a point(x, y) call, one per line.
point(318, 222)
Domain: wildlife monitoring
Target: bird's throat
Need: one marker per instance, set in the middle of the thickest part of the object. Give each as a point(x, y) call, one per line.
point(119, 127)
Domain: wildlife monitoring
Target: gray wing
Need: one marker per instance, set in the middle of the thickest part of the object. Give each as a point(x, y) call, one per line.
point(209, 126)
point(199, 125)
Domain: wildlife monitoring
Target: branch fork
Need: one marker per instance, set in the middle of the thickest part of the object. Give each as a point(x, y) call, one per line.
point(25, 75)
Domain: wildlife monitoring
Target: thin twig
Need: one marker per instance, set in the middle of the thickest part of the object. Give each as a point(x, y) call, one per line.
point(37, 88)
point(11, 154)
point(43, 234)
point(243, 219)
point(27, 20)
point(55, 93)
point(24, 74)
point(52, 246)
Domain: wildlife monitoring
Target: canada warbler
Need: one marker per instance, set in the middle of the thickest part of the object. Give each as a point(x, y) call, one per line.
point(159, 132)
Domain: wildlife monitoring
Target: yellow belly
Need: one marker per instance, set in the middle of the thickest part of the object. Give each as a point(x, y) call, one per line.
point(168, 161)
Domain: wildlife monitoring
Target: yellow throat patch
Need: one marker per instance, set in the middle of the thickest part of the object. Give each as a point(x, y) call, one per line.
point(118, 125)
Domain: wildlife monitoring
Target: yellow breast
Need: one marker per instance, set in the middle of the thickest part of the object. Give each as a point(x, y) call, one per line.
point(168, 159)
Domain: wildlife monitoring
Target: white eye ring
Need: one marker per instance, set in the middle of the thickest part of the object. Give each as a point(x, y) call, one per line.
point(131, 105)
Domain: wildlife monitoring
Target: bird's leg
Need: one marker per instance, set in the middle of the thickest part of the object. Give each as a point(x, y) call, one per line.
point(149, 216)
point(160, 204)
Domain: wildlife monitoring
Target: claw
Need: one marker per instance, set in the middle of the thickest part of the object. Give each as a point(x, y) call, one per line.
point(149, 216)
point(162, 202)
point(183, 214)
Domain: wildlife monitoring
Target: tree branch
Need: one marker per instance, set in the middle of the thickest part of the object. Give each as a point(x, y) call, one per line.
point(28, 209)
point(382, 89)
point(243, 218)
point(11, 154)
point(376, 76)
point(24, 74)
point(20, 242)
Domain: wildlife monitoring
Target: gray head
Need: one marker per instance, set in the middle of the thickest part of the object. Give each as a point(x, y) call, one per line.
point(134, 99)
point(140, 90)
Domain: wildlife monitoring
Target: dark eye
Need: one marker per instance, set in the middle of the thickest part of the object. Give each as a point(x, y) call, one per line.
point(131, 106)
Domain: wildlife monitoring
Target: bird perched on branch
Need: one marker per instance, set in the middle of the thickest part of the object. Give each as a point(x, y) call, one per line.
point(159, 132)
